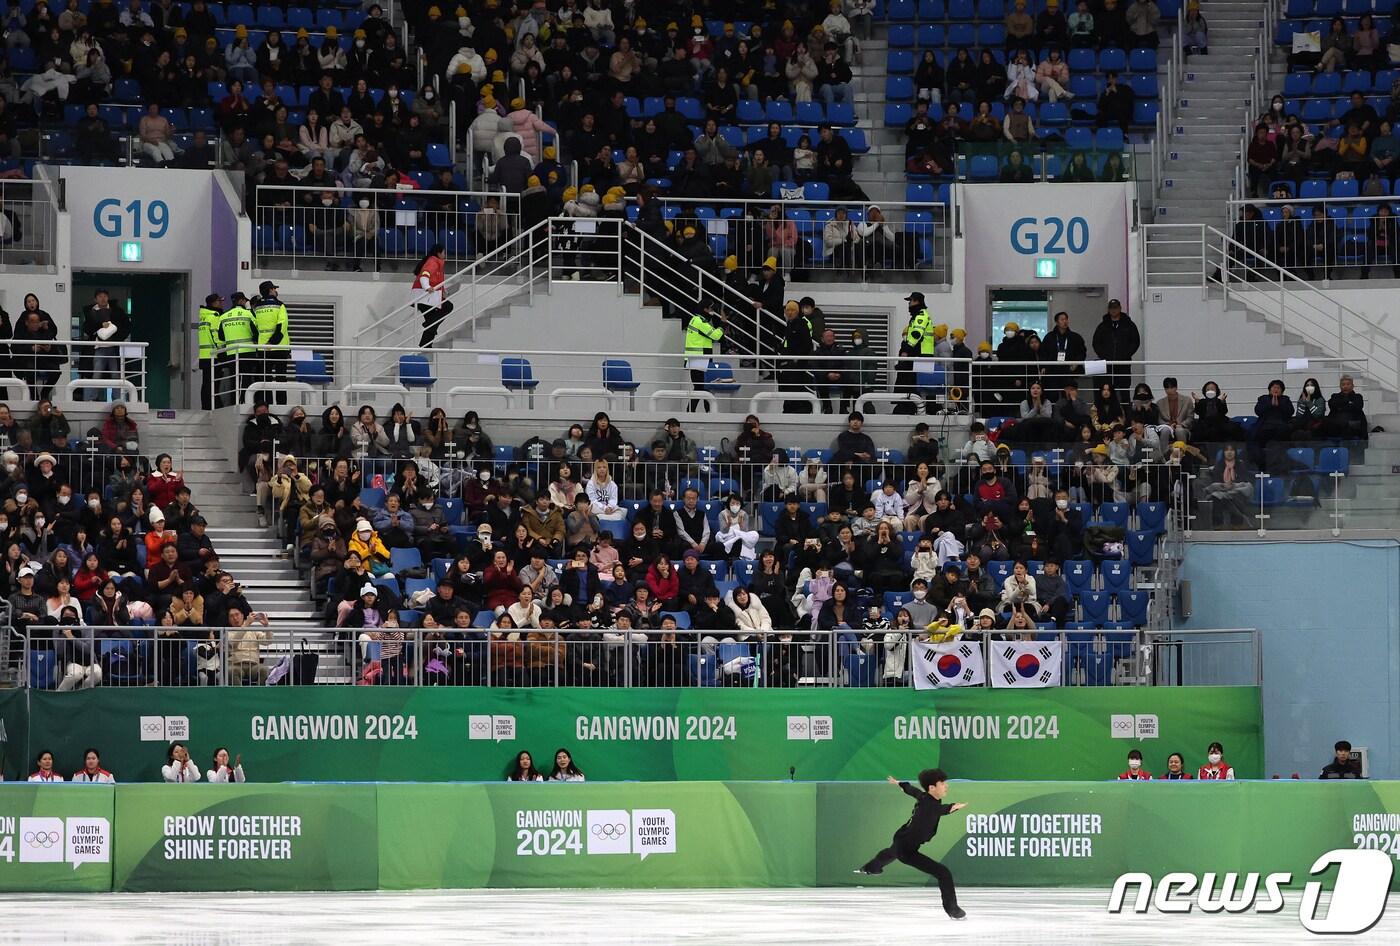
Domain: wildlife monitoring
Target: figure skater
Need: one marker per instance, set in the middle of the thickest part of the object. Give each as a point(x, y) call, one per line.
point(917, 831)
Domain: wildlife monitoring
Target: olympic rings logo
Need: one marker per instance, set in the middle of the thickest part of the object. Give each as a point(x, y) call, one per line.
point(609, 832)
point(153, 728)
point(481, 727)
point(42, 838)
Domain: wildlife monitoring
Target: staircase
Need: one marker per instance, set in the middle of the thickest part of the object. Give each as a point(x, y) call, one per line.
point(1213, 103)
point(250, 552)
point(880, 173)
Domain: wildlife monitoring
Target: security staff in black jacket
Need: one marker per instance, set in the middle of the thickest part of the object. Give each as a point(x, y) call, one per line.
point(917, 831)
point(795, 375)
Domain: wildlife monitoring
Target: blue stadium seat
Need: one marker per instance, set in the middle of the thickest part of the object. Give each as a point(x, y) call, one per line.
point(1142, 548)
point(1334, 460)
point(901, 37)
point(1094, 606)
point(405, 558)
point(983, 167)
point(414, 372)
point(1132, 607)
point(1152, 517)
point(899, 89)
point(1117, 576)
point(1142, 60)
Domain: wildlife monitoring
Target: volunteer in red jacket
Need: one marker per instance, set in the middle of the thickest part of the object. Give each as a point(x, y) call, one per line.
point(1176, 770)
point(1216, 768)
point(428, 294)
point(221, 773)
point(92, 770)
point(43, 768)
point(1135, 773)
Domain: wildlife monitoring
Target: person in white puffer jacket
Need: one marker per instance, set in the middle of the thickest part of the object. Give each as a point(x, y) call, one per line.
point(749, 612)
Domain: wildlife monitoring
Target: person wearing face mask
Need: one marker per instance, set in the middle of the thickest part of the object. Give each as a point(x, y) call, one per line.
point(431, 532)
point(1309, 411)
point(734, 534)
point(1213, 424)
point(1216, 768)
point(1135, 771)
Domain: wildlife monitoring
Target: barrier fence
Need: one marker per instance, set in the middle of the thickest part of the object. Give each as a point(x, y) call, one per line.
point(83, 657)
point(716, 834)
point(437, 734)
point(293, 228)
point(73, 370)
point(839, 241)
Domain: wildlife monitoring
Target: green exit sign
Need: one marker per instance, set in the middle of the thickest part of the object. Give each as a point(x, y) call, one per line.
point(1047, 268)
point(129, 251)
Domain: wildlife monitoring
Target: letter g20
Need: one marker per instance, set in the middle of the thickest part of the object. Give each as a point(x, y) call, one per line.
point(1060, 235)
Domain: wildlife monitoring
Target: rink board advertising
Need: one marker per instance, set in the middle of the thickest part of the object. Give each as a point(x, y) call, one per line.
point(432, 734)
point(674, 834)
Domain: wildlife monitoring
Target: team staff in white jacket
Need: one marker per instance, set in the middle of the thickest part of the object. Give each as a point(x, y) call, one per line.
point(43, 768)
point(221, 773)
point(92, 770)
point(179, 767)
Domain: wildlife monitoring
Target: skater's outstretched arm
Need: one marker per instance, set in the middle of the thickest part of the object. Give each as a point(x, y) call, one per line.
point(913, 791)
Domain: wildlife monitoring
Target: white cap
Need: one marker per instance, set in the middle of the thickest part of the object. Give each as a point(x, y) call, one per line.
point(155, 515)
point(368, 589)
point(362, 525)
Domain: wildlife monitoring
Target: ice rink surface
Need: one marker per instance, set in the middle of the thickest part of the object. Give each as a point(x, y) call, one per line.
point(825, 917)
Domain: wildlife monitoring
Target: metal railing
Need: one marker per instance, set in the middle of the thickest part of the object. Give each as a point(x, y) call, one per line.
point(1258, 87)
point(29, 222)
point(915, 243)
point(292, 229)
point(63, 368)
point(561, 248)
point(1282, 295)
point(605, 657)
point(737, 381)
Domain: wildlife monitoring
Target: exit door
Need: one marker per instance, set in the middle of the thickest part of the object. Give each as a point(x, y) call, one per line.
point(156, 304)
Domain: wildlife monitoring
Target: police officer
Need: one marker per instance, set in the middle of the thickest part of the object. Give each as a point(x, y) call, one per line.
point(274, 336)
point(701, 333)
point(237, 335)
point(795, 375)
point(208, 327)
point(918, 341)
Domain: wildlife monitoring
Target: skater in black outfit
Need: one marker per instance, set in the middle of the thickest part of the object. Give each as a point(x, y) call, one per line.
point(917, 831)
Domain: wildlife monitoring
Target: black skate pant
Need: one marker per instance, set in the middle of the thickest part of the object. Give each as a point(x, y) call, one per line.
point(919, 861)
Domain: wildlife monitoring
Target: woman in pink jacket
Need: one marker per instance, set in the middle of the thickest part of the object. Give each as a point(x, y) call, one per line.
point(1052, 77)
point(529, 127)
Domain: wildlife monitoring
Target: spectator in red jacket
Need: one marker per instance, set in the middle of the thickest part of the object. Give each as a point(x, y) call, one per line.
point(163, 482)
point(501, 583)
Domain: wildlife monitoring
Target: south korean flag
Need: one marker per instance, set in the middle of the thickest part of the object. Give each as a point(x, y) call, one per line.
point(955, 664)
point(1026, 664)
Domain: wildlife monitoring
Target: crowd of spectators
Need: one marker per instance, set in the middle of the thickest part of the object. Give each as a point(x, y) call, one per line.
point(101, 544)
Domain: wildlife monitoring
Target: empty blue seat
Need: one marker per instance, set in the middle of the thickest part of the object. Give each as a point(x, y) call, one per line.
point(402, 559)
point(1000, 571)
point(1115, 513)
point(901, 37)
point(983, 167)
point(1152, 517)
point(897, 114)
point(719, 378)
point(414, 372)
point(1081, 61)
point(860, 669)
point(1113, 60)
point(1334, 460)
point(899, 89)
point(1327, 84)
point(373, 497)
point(1094, 605)
point(1132, 607)
point(617, 377)
point(1117, 575)
point(779, 111)
point(1142, 60)
point(517, 375)
point(1142, 548)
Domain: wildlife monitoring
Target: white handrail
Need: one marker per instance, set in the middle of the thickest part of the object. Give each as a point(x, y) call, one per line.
point(1345, 334)
point(465, 275)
